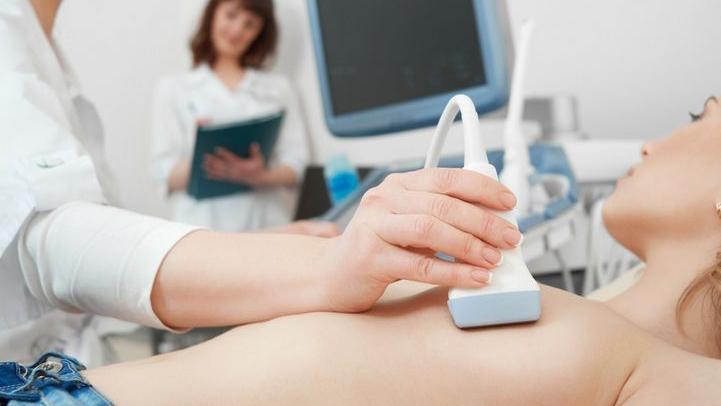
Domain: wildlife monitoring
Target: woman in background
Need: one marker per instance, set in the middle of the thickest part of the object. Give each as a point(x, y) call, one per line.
point(233, 42)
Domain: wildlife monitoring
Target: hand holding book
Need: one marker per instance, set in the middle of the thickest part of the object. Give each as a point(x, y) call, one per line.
point(224, 165)
point(232, 157)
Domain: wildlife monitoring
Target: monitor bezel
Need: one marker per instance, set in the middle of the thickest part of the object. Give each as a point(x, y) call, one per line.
point(495, 44)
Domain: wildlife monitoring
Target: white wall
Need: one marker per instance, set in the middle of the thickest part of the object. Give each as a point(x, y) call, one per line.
point(119, 49)
point(637, 68)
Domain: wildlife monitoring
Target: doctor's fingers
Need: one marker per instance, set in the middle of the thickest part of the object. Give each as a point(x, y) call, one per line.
point(202, 121)
point(255, 151)
point(423, 231)
point(215, 165)
point(404, 264)
point(214, 160)
point(241, 164)
point(459, 183)
point(220, 170)
point(218, 175)
point(462, 215)
point(226, 155)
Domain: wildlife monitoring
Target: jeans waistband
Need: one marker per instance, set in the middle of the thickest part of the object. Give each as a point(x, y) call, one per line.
point(52, 370)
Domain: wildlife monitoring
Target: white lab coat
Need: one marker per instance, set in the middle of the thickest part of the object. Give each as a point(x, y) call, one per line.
point(60, 246)
point(182, 99)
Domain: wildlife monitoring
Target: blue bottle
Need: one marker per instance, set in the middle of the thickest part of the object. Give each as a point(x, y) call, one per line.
point(341, 178)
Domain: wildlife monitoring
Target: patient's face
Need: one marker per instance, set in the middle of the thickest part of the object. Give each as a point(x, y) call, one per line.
point(672, 193)
point(234, 29)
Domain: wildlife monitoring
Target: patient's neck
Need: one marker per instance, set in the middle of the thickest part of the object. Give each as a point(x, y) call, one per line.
point(652, 302)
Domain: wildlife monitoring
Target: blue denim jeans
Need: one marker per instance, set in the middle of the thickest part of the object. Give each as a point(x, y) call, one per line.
point(54, 380)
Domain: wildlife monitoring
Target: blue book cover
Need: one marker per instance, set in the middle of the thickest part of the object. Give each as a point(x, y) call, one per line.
point(236, 137)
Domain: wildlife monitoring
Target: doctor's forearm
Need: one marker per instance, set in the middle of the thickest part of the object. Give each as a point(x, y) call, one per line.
point(213, 279)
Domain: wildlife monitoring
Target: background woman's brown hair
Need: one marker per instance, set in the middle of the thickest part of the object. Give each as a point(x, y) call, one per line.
point(259, 51)
point(706, 287)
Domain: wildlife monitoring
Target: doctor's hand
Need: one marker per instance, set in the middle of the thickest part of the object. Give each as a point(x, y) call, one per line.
point(226, 166)
point(403, 222)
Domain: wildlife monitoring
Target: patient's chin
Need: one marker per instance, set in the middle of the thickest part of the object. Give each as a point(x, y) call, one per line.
point(618, 218)
point(611, 211)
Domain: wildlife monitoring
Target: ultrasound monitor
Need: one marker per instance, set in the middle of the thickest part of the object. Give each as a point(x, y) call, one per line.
point(391, 65)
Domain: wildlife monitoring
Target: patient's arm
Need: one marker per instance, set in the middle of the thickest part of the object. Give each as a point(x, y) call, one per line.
point(401, 353)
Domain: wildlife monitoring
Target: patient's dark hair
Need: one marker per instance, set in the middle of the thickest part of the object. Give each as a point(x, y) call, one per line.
point(259, 51)
point(706, 286)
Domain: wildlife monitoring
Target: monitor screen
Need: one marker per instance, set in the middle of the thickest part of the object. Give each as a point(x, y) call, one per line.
point(381, 52)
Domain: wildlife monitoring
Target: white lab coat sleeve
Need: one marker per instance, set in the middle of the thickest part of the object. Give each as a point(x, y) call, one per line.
point(87, 257)
point(41, 166)
point(168, 134)
point(292, 148)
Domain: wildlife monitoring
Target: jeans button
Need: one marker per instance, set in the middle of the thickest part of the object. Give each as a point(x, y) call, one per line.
point(52, 367)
